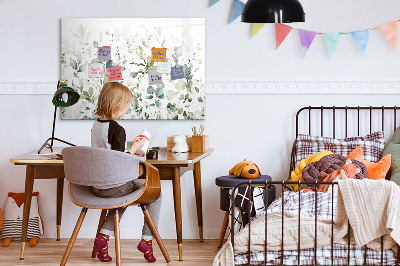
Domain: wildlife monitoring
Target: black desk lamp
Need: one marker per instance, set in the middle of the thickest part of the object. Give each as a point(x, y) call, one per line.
point(273, 11)
point(63, 97)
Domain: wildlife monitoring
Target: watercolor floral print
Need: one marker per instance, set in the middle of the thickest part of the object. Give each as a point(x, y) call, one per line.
point(172, 95)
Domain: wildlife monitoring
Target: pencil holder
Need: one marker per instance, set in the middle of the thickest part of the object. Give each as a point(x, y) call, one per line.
point(200, 143)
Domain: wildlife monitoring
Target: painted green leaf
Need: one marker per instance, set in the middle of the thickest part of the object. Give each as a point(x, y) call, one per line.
point(196, 89)
point(150, 90)
point(159, 92)
point(170, 95)
point(73, 64)
point(82, 68)
point(175, 117)
point(162, 96)
point(180, 85)
point(178, 51)
point(200, 99)
point(149, 97)
point(158, 103)
point(140, 50)
point(185, 71)
point(95, 44)
point(109, 63)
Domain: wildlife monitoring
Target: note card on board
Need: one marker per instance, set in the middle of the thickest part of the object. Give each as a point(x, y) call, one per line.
point(96, 70)
point(115, 73)
point(155, 78)
point(104, 53)
point(158, 54)
point(177, 73)
point(164, 67)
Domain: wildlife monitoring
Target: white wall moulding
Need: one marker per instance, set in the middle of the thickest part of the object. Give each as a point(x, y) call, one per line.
point(303, 87)
point(28, 88)
point(248, 87)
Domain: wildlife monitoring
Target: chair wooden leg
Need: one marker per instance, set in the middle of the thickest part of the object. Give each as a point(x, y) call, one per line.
point(101, 222)
point(154, 230)
point(223, 229)
point(73, 237)
point(117, 239)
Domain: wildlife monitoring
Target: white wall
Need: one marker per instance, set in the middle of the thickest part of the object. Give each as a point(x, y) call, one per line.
point(259, 127)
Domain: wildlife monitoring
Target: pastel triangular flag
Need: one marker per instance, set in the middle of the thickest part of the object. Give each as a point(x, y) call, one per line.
point(306, 39)
point(389, 30)
point(281, 31)
point(237, 9)
point(256, 28)
point(213, 2)
point(332, 41)
point(361, 37)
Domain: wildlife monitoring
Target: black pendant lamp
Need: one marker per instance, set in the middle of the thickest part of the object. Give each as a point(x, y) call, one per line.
point(273, 11)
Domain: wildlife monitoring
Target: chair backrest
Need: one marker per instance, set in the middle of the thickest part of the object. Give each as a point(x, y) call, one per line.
point(92, 166)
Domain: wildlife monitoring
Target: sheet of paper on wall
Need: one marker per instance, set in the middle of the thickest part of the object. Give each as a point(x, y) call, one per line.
point(164, 67)
point(155, 78)
point(104, 53)
point(115, 73)
point(96, 70)
point(177, 72)
point(158, 54)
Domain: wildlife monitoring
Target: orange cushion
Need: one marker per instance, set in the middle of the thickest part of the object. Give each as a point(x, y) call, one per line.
point(375, 170)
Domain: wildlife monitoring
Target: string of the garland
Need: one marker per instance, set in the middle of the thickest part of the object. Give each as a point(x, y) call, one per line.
point(341, 32)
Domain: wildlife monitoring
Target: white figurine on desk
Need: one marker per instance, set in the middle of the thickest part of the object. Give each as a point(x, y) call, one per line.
point(180, 144)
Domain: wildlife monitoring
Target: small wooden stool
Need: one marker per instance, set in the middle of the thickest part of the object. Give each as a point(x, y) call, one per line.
point(226, 183)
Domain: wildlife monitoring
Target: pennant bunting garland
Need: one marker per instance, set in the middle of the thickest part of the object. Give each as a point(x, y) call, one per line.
point(389, 30)
point(237, 9)
point(361, 37)
point(332, 41)
point(281, 31)
point(213, 2)
point(256, 28)
point(306, 39)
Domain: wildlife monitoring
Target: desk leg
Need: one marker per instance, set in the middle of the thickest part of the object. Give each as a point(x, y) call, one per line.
point(199, 204)
point(60, 190)
point(176, 182)
point(27, 206)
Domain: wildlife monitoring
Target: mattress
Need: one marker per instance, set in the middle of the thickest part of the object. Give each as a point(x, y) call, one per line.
point(324, 206)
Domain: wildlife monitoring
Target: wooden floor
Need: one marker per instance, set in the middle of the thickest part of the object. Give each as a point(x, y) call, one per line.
point(50, 252)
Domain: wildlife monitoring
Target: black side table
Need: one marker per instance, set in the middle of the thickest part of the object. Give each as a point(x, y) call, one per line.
point(226, 183)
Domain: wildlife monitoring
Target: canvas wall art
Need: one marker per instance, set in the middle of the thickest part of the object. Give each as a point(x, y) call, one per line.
point(161, 60)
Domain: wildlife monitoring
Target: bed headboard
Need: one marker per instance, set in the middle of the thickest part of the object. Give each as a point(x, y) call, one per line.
point(344, 121)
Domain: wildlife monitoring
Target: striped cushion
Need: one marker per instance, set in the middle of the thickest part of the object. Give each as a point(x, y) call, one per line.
point(372, 145)
point(13, 228)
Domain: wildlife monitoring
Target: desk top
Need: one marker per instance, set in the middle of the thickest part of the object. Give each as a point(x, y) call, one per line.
point(164, 157)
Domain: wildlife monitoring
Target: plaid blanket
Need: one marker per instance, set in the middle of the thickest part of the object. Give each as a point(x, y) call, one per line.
point(323, 205)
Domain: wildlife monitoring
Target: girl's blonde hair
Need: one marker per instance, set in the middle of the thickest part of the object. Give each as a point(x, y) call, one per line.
point(113, 98)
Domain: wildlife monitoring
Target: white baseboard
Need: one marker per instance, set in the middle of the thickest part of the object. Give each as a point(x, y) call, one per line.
point(247, 87)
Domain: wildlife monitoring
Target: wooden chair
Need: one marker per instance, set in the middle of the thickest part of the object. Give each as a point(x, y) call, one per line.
point(85, 167)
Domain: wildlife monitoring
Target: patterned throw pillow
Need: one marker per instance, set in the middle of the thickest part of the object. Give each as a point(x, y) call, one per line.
point(372, 145)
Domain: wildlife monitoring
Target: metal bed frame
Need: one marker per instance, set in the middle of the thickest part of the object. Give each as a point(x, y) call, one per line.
point(284, 183)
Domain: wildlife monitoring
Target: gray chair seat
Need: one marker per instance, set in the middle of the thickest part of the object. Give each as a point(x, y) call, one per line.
point(83, 196)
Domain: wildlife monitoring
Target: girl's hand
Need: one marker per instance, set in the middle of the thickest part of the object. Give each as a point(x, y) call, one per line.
point(137, 144)
point(142, 155)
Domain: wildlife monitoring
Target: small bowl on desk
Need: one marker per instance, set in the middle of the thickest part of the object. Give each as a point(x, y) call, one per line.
point(152, 155)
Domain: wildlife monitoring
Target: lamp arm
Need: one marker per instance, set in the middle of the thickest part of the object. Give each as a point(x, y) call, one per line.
point(54, 126)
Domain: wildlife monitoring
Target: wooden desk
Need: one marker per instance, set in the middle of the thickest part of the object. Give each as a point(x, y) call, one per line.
point(171, 167)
